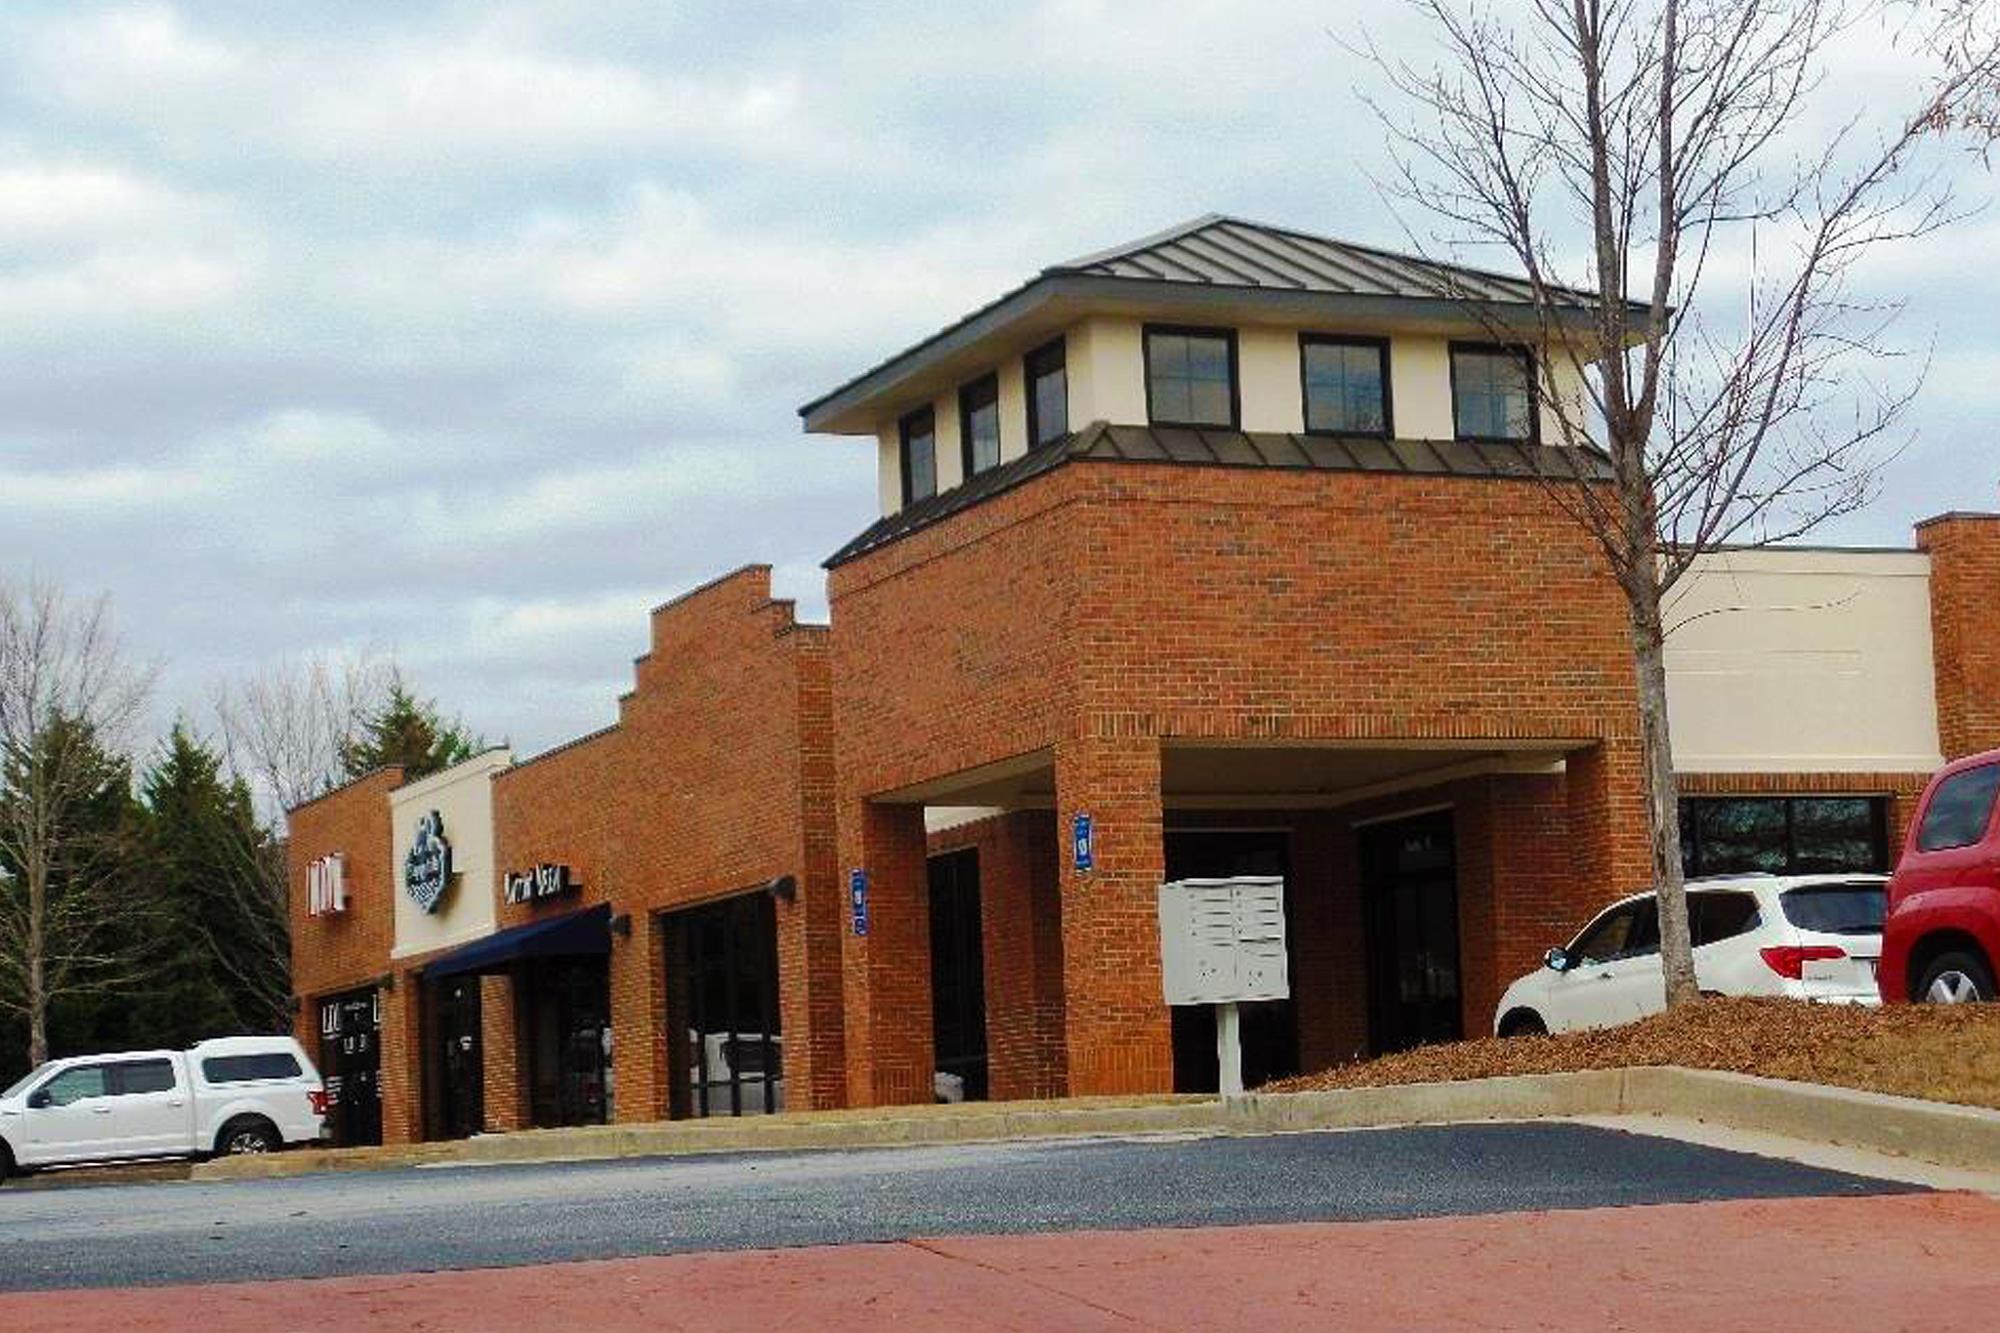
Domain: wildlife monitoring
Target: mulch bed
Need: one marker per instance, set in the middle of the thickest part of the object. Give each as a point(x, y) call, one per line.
point(1948, 1053)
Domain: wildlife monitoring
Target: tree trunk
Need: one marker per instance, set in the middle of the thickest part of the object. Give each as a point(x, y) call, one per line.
point(38, 990)
point(1662, 793)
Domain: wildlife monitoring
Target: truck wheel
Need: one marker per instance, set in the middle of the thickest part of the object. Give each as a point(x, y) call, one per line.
point(1523, 1023)
point(1956, 978)
point(245, 1136)
point(6, 1163)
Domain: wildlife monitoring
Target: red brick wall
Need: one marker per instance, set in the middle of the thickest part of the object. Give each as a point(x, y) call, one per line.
point(1102, 609)
point(1965, 606)
point(342, 952)
point(706, 787)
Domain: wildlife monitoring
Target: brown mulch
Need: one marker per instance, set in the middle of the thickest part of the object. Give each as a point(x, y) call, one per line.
point(1948, 1053)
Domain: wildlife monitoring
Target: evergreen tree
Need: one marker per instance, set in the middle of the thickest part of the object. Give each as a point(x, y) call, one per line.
point(209, 865)
point(409, 731)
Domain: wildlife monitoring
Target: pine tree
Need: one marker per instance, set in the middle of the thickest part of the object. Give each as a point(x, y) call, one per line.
point(208, 866)
point(408, 731)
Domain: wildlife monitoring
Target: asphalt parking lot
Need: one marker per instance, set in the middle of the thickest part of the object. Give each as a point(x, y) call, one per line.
point(476, 1217)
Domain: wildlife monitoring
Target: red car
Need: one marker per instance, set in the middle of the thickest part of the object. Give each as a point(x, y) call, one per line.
point(1941, 938)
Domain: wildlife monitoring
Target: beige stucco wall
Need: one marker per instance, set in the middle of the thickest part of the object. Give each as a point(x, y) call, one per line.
point(1803, 661)
point(1107, 382)
point(463, 797)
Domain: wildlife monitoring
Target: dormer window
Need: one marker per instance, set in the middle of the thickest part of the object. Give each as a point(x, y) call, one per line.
point(918, 431)
point(1493, 392)
point(1190, 376)
point(1346, 384)
point(979, 424)
point(1048, 393)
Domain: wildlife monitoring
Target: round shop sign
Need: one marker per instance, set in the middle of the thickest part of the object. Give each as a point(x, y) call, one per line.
point(427, 869)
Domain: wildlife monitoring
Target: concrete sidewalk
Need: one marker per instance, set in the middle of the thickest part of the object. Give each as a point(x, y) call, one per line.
point(1931, 1132)
point(1836, 1264)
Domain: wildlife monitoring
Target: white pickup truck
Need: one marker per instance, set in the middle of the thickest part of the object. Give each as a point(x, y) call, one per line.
point(230, 1095)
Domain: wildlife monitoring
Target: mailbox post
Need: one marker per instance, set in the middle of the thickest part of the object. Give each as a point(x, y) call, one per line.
point(1222, 942)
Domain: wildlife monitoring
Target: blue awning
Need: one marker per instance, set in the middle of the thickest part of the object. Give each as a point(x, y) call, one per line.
point(574, 934)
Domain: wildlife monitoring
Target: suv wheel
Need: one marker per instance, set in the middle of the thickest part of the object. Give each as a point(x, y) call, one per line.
point(1956, 978)
point(241, 1138)
point(1524, 1023)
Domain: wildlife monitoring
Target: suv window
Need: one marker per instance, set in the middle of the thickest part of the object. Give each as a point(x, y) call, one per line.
point(1836, 909)
point(76, 1084)
point(1959, 809)
point(136, 1076)
point(1714, 917)
point(249, 1068)
point(1626, 932)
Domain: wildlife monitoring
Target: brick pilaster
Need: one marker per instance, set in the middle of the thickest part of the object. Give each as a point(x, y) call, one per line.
point(887, 981)
point(1117, 1026)
point(401, 1076)
point(499, 1046)
point(1965, 572)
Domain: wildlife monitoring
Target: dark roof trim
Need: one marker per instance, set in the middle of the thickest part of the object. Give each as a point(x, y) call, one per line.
point(1309, 306)
point(1275, 450)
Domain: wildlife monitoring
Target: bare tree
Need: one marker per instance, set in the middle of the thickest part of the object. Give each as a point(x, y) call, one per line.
point(286, 730)
point(1634, 158)
point(67, 698)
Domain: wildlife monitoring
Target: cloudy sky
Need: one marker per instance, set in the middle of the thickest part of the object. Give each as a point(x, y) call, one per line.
point(469, 331)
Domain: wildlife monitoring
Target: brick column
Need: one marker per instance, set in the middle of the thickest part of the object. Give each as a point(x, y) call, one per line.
point(1117, 1027)
point(1965, 570)
point(639, 1023)
point(1328, 934)
point(500, 1059)
point(401, 1077)
point(1607, 825)
point(887, 973)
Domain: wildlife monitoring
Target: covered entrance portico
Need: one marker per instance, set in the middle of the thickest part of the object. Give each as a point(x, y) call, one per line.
point(1422, 875)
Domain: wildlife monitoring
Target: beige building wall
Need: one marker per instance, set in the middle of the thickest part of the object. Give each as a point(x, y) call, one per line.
point(1803, 661)
point(463, 798)
point(1106, 366)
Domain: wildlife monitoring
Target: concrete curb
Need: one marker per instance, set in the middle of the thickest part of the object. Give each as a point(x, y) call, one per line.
point(1934, 1132)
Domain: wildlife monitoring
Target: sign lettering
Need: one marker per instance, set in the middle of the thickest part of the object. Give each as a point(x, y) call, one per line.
point(544, 881)
point(326, 886)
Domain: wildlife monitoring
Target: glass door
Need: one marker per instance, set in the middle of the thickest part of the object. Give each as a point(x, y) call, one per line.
point(1409, 878)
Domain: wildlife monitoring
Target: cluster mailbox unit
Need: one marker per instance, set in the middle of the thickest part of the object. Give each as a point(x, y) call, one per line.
point(1222, 942)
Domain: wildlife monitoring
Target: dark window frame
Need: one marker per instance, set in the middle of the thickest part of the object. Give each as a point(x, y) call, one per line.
point(1527, 356)
point(1694, 854)
point(989, 383)
point(1381, 345)
point(1035, 366)
point(904, 436)
point(1147, 333)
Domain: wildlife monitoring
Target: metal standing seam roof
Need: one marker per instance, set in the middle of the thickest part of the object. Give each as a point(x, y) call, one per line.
point(1104, 443)
point(1216, 250)
point(1217, 253)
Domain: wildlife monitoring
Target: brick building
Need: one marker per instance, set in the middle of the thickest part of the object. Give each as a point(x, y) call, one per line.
point(1228, 545)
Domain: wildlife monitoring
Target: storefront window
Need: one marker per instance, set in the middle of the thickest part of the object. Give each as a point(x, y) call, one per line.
point(1784, 835)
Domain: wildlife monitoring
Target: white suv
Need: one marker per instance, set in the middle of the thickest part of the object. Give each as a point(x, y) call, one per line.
point(1811, 937)
point(231, 1095)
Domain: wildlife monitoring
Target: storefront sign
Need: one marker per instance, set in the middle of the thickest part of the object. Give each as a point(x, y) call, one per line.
point(326, 886)
point(544, 881)
point(857, 900)
point(427, 869)
point(1083, 841)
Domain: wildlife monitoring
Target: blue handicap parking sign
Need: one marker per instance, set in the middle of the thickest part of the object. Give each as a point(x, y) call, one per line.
point(857, 900)
point(1081, 841)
